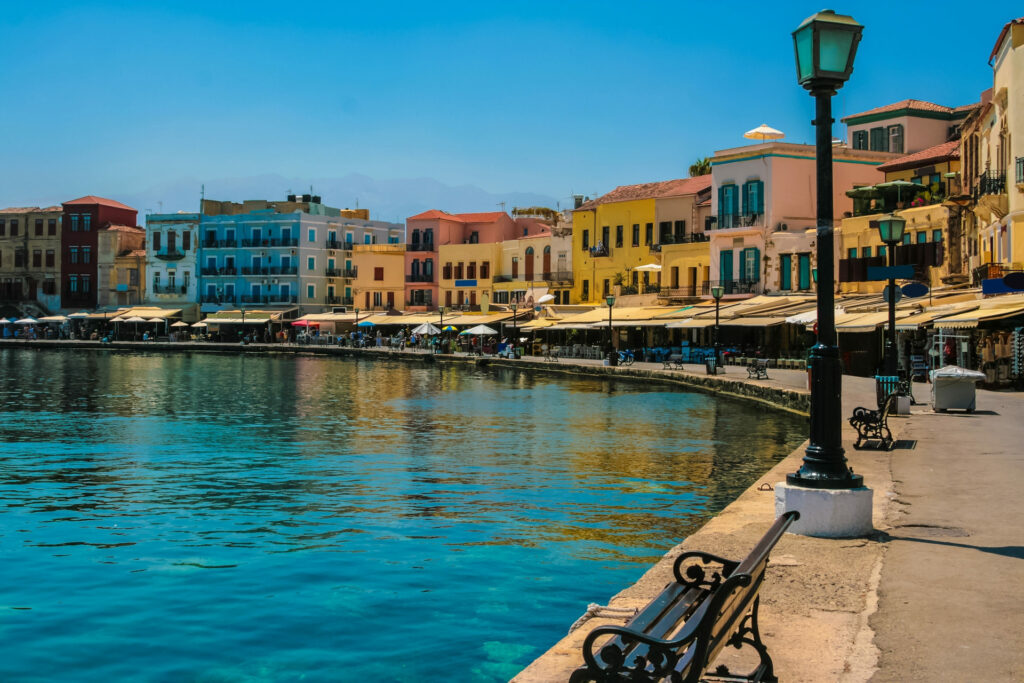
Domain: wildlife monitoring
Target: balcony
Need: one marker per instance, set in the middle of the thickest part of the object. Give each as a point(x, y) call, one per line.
point(922, 256)
point(679, 292)
point(165, 255)
point(1020, 170)
point(419, 277)
point(421, 304)
point(218, 299)
point(731, 286)
point(420, 246)
point(278, 299)
point(988, 271)
point(167, 289)
point(726, 221)
point(680, 239)
point(990, 182)
point(339, 300)
point(284, 242)
point(214, 272)
point(220, 244)
point(597, 251)
point(557, 276)
point(338, 244)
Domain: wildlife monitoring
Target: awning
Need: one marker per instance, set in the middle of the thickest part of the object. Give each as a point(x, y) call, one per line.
point(752, 322)
point(972, 318)
point(637, 323)
point(927, 317)
point(866, 322)
point(692, 324)
point(575, 326)
point(538, 324)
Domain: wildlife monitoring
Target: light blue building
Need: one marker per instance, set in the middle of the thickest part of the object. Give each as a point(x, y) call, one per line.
point(296, 253)
point(172, 241)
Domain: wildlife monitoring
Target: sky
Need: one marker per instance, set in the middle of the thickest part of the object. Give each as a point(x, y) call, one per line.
point(551, 98)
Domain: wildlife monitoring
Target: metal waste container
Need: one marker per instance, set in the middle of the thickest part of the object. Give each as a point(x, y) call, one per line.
point(953, 388)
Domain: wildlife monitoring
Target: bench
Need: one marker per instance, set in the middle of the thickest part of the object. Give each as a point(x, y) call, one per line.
point(681, 632)
point(758, 369)
point(672, 362)
point(550, 353)
point(874, 424)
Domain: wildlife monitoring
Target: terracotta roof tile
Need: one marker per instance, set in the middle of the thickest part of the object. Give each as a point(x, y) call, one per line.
point(434, 213)
point(658, 190)
point(1002, 34)
point(93, 199)
point(944, 152)
point(913, 105)
point(487, 217)
point(124, 228)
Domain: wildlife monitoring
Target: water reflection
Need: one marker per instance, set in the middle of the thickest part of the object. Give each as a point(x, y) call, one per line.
point(228, 516)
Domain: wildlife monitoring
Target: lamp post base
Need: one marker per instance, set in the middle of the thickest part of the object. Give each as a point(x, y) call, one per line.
point(826, 513)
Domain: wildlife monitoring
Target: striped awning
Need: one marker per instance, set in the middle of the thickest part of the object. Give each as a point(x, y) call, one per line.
point(972, 318)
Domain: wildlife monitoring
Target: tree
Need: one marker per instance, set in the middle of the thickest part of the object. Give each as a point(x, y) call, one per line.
point(700, 167)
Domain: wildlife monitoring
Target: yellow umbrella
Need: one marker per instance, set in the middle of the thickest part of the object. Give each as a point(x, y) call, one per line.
point(764, 132)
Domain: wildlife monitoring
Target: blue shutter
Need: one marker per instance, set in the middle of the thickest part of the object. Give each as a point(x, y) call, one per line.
point(721, 204)
point(743, 264)
point(760, 197)
point(755, 276)
point(725, 265)
point(746, 200)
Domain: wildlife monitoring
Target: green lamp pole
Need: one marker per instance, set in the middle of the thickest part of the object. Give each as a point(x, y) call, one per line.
point(826, 44)
point(890, 230)
point(716, 294)
point(613, 358)
point(515, 329)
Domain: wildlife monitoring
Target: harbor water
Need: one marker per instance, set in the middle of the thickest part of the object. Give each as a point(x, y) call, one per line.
point(207, 517)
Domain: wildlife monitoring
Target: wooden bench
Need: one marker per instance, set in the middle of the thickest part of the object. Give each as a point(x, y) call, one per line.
point(672, 362)
point(681, 632)
point(874, 424)
point(758, 369)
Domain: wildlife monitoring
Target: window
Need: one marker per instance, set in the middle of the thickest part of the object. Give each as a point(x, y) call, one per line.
point(311, 263)
point(170, 279)
point(86, 284)
point(804, 271)
point(368, 238)
point(896, 138)
point(607, 289)
point(922, 237)
point(586, 239)
point(605, 236)
point(618, 235)
point(878, 141)
point(186, 240)
point(648, 233)
point(133, 277)
point(378, 300)
point(860, 139)
point(378, 273)
point(725, 270)
point(785, 272)
point(310, 291)
point(51, 227)
point(867, 252)
point(74, 222)
point(428, 268)
point(753, 197)
point(680, 230)
point(157, 238)
point(19, 258)
point(73, 284)
point(39, 227)
point(515, 267)
point(3, 228)
point(86, 220)
point(485, 270)
point(73, 251)
point(50, 256)
point(471, 271)
point(881, 250)
point(37, 256)
point(14, 227)
point(851, 253)
point(728, 206)
point(172, 239)
point(156, 281)
point(906, 237)
point(936, 235)
point(311, 235)
point(750, 264)
point(86, 254)
point(636, 234)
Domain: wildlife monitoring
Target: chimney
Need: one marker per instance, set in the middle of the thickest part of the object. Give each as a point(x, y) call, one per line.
point(577, 201)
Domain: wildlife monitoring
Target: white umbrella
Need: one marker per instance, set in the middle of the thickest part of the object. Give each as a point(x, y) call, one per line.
point(426, 328)
point(546, 298)
point(198, 324)
point(764, 132)
point(155, 320)
point(4, 321)
point(179, 324)
point(649, 267)
point(480, 330)
point(134, 319)
point(118, 319)
point(80, 314)
point(26, 321)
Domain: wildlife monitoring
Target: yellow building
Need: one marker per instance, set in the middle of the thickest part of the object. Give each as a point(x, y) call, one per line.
point(379, 283)
point(685, 268)
point(534, 267)
point(627, 228)
point(468, 273)
point(30, 255)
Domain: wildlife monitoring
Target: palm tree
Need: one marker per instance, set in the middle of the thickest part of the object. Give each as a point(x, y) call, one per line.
point(700, 167)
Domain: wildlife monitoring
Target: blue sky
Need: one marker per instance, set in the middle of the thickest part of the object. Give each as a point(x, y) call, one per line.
point(552, 98)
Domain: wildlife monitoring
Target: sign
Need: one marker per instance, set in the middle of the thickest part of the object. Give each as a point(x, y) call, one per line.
point(892, 296)
point(1014, 280)
point(913, 290)
point(465, 283)
point(995, 285)
point(876, 273)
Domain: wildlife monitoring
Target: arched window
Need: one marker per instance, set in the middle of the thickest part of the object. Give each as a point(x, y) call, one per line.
point(529, 263)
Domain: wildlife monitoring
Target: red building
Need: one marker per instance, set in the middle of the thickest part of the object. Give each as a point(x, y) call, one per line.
point(83, 219)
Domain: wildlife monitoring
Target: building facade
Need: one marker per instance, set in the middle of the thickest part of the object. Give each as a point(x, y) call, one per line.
point(283, 253)
point(172, 276)
point(30, 255)
point(904, 127)
point(379, 283)
point(120, 266)
point(82, 221)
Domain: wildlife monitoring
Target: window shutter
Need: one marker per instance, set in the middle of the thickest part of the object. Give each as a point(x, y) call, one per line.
point(746, 200)
point(743, 264)
point(760, 197)
point(721, 202)
point(755, 269)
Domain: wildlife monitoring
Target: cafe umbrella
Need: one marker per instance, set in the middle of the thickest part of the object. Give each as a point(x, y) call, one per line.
point(426, 328)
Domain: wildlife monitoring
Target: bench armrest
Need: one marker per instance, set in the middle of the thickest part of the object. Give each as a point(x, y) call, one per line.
point(695, 575)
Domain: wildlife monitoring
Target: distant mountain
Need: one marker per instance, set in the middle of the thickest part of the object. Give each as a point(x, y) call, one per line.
point(390, 200)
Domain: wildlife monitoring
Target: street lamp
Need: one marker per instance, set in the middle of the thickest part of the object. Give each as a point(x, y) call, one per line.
point(826, 44)
point(613, 358)
point(716, 294)
point(515, 329)
point(890, 230)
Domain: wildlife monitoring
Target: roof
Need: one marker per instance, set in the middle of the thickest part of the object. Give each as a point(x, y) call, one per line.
point(1002, 35)
point(658, 190)
point(124, 228)
point(910, 105)
point(31, 209)
point(434, 213)
point(944, 152)
point(487, 217)
point(93, 199)
point(141, 253)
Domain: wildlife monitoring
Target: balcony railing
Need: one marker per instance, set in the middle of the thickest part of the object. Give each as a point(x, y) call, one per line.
point(167, 289)
point(596, 251)
point(279, 299)
point(220, 244)
point(339, 300)
point(990, 182)
point(421, 303)
point(212, 272)
point(557, 276)
point(419, 277)
point(738, 220)
point(420, 246)
point(988, 271)
point(350, 272)
point(922, 256)
point(338, 244)
point(175, 255)
point(731, 286)
point(218, 299)
point(1020, 170)
point(679, 292)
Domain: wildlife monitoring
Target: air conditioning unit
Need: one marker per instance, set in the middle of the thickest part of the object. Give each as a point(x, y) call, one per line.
point(330, 252)
point(263, 253)
point(293, 251)
point(264, 282)
point(274, 281)
point(330, 280)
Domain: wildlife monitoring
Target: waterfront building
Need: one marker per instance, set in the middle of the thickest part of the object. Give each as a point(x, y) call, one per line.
point(120, 265)
point(534, 265)
point(298, 252)
point(993, 166)
point(763, 204)
point(379, 276)
point(629, 227)
point(30, 255)
point(171, 267)
point(931, 242)
point(904, 127)
point(82, 221)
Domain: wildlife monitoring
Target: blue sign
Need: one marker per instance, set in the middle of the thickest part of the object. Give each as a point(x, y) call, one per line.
point(1014, 280)
point(894, 295)
point(465, 283)
point(876, 273)
point(915, 289)
point(995, 285)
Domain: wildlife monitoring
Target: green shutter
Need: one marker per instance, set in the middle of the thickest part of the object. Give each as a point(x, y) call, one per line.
point(743, 264)
point(785, 272)
point(721, 203)
point(755, 275)
point(725, 265)
point(746, 199)
point(760, 197)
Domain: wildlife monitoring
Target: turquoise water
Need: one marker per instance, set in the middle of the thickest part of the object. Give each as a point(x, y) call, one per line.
point(202, 517)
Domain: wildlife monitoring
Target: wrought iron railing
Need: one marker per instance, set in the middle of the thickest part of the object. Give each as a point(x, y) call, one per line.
point(738, 220)
point(1020, 169)
point(557, 276)
point(419, 277)
point(990, 182)
point(420, 246)
point(744, 286)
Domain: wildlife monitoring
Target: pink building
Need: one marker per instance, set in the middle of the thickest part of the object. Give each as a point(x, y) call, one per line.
point(905, 127)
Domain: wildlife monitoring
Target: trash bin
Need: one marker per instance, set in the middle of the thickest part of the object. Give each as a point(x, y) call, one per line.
point(953, 387)
point(710, 365)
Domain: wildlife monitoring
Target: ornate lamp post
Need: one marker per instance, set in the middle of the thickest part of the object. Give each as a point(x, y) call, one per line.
point(826, 44)
point(613, 358)
point(515, 328)
point(716, 294)
point(891, 229)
